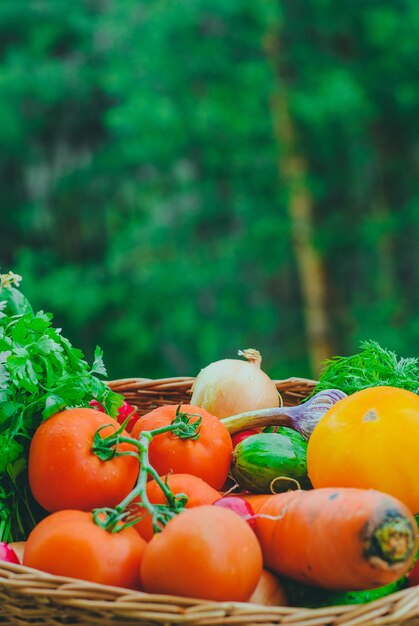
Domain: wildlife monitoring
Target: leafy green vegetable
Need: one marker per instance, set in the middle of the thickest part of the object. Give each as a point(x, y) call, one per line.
point(373, 366)
point(301, 595)
point(41, 373)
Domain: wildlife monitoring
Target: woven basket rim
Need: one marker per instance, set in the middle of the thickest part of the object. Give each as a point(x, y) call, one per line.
point(290, 389)
point(403, 604)
point(159, 381)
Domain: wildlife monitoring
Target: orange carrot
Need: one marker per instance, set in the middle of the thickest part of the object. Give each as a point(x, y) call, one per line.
point(343, 538)
point(255, 499)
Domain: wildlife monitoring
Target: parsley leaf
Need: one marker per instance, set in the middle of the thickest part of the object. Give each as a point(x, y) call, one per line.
point(41, 373)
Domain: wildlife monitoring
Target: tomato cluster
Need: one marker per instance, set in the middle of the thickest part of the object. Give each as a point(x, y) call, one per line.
point(193, 554)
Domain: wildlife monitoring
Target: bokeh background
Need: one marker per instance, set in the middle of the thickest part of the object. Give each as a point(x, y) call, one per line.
point(180, 179)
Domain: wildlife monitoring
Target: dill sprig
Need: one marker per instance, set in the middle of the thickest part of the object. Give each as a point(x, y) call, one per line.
point(373, 366)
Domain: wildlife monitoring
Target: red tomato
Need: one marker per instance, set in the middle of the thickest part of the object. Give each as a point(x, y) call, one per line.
point(69, 543)
point(243, 434)
point(63, 471)
point(207, 457)
point(196, 489)
point(7, 553)
point(206, 552)
point(124, 411)
point(240, 506)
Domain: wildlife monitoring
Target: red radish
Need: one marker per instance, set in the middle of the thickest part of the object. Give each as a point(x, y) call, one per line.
point(413, 575)
point(97, 405)
point(8, 554)
point(124, 411)
point(243, 434)
point(240, 506)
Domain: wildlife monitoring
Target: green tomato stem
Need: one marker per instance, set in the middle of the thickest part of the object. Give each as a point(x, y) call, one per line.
point(141, 487)
point(106, 448)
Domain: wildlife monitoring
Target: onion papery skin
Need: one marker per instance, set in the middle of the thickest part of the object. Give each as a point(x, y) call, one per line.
point(231, 386)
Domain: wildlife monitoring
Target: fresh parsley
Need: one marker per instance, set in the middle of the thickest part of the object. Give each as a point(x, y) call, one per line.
point(41, 373)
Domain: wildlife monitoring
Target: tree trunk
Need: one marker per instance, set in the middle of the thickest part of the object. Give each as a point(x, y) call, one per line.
point(293, 170)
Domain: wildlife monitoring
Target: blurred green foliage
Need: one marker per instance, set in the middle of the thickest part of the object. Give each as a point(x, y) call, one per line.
point(140, 190)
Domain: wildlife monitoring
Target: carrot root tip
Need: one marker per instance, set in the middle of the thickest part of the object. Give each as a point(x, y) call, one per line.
point(393, 541)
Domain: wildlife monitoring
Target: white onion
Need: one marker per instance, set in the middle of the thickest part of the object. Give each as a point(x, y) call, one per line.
point(232, 386)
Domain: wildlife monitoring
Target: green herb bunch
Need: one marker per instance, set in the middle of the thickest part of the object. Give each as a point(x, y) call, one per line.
point(41, 373)
point(371, 367)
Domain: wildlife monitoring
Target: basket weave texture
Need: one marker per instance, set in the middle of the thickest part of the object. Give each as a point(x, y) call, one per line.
point(29, 597)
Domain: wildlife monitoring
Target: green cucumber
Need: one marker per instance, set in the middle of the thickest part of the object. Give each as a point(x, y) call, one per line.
point(260, 459)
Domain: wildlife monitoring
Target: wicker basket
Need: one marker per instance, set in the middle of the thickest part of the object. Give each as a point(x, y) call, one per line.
point(29, 597)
